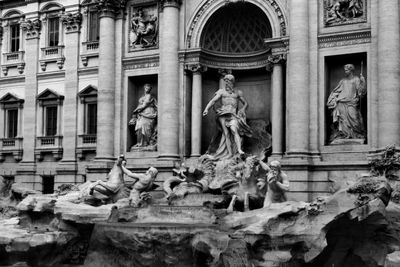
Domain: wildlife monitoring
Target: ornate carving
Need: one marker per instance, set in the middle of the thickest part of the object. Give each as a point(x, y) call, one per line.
point(196, 67)
point(340, 12)
point(334, 40)
point(166, 3)
point(207, 4)
point(71, 21)
point(275, 59)
point(144, 27)
point(111, 6)
point(32, 28)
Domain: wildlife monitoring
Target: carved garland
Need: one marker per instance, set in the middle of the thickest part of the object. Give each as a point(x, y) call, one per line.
point(71, 21)
point(208, 3)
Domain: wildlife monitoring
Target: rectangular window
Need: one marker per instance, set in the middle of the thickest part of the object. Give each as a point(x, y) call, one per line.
point(48, 184)
point(91, 119)
point(51, 121)
point(12, 123)
point(54, 29)
point(14, 33)
point(94, 34)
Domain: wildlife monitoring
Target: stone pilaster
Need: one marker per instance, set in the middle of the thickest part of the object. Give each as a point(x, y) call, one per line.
point(388, 73)
point(27, 167)
point(106, 80)
point(298, 80)
point(72, 23)
point(276, 63)
point(196, 118)
point(168, 92)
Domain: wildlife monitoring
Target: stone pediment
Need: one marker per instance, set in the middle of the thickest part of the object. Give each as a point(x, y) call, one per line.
point(88, 91)
point(49, 95)
point(10, 98)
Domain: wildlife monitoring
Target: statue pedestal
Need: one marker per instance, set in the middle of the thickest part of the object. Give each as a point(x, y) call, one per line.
point(348, 142)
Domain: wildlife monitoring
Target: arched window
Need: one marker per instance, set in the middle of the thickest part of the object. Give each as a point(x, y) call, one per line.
point(236, 28)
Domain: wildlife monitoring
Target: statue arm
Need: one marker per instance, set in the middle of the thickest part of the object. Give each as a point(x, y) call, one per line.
point(146, 103)
point(284, 185)
point(212, 102)
point(130, 174)
point(264, 166)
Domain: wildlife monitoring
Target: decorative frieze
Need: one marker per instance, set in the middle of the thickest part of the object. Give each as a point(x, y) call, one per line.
point(72, 21)
point(353, 38)
point(31, 27)
point(141, 63)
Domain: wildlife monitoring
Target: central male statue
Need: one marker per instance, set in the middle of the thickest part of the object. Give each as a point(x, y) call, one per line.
point(231, 120)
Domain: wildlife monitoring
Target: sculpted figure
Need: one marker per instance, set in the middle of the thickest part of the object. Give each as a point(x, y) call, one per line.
point(276, 183)
point(143, 182)
point(231, 120)
point(144, 118)
point(344, 101)
point(114, 184)
point(143, 27)
point(342, 10)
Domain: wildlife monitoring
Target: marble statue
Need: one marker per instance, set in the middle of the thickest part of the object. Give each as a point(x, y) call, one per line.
point(114, 184)
point(144, 118)
point(343, 10)
point(231, 121)
point(344, 101)
point(276, 183)
point(144, 29)
point(142, 184)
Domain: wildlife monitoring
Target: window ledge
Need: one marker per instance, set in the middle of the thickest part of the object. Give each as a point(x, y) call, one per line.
point(49, 144)
point(11, 146)
point(13, 59)
point(52, 54)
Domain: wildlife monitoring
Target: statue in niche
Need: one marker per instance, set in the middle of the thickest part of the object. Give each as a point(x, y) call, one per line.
point(276, 183)
point(144, 29)
point(343, 10)
point(344, 101)
point(230, 119)
point(144, 119)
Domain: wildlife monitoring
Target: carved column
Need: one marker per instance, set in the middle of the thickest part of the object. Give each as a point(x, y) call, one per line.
point(72, 24)
point(169, 104)
point(298, 80)
point(106, 81)
point(197, 88)
point(388, 73)
point(277, 111)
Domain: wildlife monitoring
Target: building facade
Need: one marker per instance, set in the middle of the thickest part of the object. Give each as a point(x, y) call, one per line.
point(74, 71)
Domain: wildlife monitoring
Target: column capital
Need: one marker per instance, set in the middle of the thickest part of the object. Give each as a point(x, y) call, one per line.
point(274, 60)
point(170, 3)
point(110, 8)
point(196, 68)
point(71, 21)
point(31, 27)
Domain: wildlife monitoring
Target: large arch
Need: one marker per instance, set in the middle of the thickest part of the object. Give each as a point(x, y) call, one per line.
point(271, 8)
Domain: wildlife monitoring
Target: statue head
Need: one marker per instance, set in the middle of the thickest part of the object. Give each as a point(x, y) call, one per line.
point(349, 69)
point(229, 80)
point(147, 88)
point(153, 172)
point(275, 166)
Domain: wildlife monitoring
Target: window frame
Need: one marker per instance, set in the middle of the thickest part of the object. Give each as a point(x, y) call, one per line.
point(56, 33)
point(15, 25)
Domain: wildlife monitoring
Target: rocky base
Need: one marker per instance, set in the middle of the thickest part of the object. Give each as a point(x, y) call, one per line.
point(352, 228)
